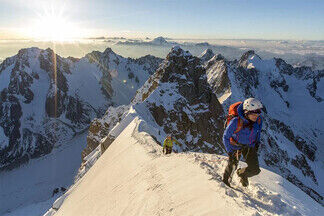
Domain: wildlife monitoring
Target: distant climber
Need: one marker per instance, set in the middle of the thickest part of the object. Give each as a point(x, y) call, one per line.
point(168, 144)
point(242, 137)
point(55, 191)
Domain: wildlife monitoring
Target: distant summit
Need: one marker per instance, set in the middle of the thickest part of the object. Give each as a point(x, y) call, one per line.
point(206, 55)
point(203, 44)
point(159, 41)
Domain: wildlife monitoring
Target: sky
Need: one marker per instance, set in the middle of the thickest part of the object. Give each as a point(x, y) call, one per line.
point(209, 19)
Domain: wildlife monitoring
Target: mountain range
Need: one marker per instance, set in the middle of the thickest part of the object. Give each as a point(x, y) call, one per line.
point(46, 100)
point(188, 97)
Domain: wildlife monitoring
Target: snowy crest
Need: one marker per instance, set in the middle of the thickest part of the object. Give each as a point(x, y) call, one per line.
point(206, 55)
point(159, 41)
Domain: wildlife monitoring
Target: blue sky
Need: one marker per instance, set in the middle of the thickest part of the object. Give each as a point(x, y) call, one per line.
point(232, 19)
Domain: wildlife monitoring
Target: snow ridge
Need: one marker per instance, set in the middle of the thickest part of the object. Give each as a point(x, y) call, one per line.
point(133, 177)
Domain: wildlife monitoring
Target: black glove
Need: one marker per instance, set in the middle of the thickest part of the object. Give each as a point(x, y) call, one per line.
point(257, 145)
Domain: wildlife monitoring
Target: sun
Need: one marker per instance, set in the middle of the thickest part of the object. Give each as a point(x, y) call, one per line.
point(53, 27)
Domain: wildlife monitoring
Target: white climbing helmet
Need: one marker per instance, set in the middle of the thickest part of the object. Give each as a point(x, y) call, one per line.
point(252, 104)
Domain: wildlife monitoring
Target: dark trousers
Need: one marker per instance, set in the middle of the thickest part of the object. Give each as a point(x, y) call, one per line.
point(168, 150)
point(251, 158)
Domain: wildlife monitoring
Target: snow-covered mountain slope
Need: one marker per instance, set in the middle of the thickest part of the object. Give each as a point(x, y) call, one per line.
point(127, 131)
point(121, 77)
point(133, 177)
point(31, 186)
point(293, 132)
point(47, 99)
point(296, 158)
point(179, 100)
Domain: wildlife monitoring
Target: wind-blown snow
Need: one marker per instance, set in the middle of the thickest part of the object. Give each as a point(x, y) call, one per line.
point(133, 177)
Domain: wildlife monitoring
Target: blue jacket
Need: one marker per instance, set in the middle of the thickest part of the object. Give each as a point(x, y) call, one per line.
point(245, 136)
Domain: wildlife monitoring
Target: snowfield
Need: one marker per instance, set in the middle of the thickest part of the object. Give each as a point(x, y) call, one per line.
point(133, 177)
point(28, 190)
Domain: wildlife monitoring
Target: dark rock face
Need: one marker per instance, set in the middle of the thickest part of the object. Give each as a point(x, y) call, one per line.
point(303, 73)
point(20, 82)
point(207, 55)
point(99, 129)
point(218, 67)
point(243, 60)
point(18, 149)
point(10, 112)
point(77, 111)
point(312, 87)
point(301, 163)
point(308, 149)
point(56, 68)
point(197, 112)
point(102, 61)
point(151, 63)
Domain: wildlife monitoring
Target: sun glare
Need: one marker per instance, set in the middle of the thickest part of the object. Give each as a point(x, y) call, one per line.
point(53, 25)
point(54, 28)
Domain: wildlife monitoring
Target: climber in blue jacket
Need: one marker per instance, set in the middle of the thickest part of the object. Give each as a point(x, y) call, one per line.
point(242, 137)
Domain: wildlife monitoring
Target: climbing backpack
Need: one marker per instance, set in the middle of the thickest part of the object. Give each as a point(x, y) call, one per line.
point(232, 112)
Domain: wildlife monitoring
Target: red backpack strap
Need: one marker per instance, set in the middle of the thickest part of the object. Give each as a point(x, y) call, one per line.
point(239, 125)
point(259, 121)
point(238, 128)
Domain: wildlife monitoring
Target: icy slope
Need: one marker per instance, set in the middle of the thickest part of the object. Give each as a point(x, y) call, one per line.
point(133, 178)
point(34, 182)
